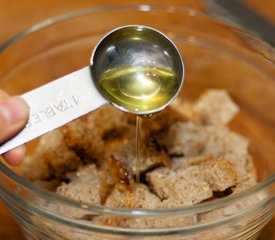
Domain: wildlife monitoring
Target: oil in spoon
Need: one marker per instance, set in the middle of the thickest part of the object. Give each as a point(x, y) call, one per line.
point(141, 89)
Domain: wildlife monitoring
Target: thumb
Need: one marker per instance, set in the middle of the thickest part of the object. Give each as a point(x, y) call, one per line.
point(13, 116)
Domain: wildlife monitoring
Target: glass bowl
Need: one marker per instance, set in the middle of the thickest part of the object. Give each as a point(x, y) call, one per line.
point(216, 56)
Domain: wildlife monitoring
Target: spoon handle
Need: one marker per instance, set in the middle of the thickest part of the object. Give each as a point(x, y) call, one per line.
point(57, 103)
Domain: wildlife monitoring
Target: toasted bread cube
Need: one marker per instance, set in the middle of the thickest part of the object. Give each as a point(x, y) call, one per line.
point(183, 187)
point(84, 186)
point(186, 139)
point(214, 107)
point(219, 173)
point(223, 143)
point(51, 160)
point(134, 196)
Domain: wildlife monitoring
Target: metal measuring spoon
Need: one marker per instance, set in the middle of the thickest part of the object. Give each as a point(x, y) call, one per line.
point(132, 68)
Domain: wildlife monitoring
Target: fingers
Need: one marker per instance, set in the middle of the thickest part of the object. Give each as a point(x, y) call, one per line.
point(13, 116)
point(15, 156)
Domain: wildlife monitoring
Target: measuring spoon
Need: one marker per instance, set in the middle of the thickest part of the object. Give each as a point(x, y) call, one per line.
point(135, 68)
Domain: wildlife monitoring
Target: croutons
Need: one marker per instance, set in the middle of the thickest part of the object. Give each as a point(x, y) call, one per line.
point(188, 155)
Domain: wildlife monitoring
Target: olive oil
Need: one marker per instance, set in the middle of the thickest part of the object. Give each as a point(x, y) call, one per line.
point(139, 90)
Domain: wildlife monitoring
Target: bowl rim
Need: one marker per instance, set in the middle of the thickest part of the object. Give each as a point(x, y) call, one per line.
point(120, 211)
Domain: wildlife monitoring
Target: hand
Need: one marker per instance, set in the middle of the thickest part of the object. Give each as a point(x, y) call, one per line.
point(14, 114)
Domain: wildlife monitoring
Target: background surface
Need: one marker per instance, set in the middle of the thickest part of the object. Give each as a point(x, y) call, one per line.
point(18, 15)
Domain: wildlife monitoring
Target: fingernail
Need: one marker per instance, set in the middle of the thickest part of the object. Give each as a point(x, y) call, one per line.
point(14, 109)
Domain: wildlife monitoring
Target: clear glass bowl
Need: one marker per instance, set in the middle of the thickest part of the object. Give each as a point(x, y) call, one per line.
point(216, 55)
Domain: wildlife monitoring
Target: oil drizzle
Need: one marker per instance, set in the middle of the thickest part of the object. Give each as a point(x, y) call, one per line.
point(138, 147)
